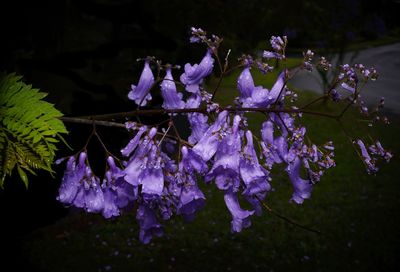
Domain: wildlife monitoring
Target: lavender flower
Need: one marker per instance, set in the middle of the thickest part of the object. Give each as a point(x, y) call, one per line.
point(198, 121)
point(191, 199)
point(70, 181)
point(252, 96)
point(140, 92)
point(240, 217)
point(302, 188)
point(151, 178)
point(194, 74)
point(208, 144)
point(254, 176)
point(149, 225)
point(138, 160)
point(172, 99)
point(225, 169)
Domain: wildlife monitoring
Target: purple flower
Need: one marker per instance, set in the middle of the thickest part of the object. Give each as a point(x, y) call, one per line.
point(191, 200)
point(252, 96)
point(70, 181)
point(141, 92)
point(198, 121)
point(302, 188)
point(225, 169)
point(172, 99)
point(137, 162)
point(149, 225)
point(194, 74)
point(271, 55)
point(110, 192)
point(152, 178)
point(94, 198)
point(199, 125)
point(208, 144)
point(253, 175)
point(133, 143)
point(369, 162)
point(245, 83)
point(192, 162)
point(240, 217)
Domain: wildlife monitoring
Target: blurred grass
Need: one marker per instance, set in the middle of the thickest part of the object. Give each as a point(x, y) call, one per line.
point(356, 213)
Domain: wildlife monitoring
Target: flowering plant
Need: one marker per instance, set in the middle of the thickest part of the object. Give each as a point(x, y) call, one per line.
point(160, 172)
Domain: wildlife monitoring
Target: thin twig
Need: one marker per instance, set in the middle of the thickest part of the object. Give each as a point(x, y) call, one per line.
point(269, 209)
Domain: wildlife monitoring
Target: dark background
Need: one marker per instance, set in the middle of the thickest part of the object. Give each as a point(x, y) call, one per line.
point(83, 53)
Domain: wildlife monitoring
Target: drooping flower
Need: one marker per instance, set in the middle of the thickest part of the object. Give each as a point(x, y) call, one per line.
point(208, 144)
point(302, 188)
point(240, 217)
point(369, 162)
point(94, 197)
point(225, 169)
point(140, 93)
point(137, 162)
point(257, 96)
point(194, 74)
point(113, 190)
point(151, 178)
point(149, 225)
point(191, 199)
point(254, 176)
point(71, 180)
point(198, 121)
point(133, 143)
point(172, 99)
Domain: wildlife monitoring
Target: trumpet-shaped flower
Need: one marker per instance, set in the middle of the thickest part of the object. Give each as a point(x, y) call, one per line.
point(140, 93)
point(194, 74)
point(240, 217)
point(172, 99)
point(149, 225)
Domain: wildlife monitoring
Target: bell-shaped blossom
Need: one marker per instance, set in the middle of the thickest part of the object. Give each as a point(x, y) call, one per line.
point(191, 162)
point(148, 223)
point(253, 175)
point(257, 96)
point(225, 169)
point(208, 144)
point(369, 162)
point(141, 92)
point(302, 188)
point(194, 74)
point(137, 162)
point(151, 178)
point(269, 146)
point(94, 197)
point(191, 200)
point(71, 180)
point(240, 217)
point(113, 190)
point(198, 121)
point(172, 99)
point(133, 143)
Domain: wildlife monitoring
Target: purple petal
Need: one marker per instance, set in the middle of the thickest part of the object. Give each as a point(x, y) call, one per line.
point(193, 75)
point(172, 99)
point(240, 217)
point(141, 91)
point(148, 223)
point(302, 188)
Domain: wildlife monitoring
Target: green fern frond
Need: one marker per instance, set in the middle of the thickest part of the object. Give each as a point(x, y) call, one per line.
point(29, 129)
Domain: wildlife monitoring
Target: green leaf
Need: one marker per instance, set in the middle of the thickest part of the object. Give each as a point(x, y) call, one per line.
point(23, 176)
point(29, 129)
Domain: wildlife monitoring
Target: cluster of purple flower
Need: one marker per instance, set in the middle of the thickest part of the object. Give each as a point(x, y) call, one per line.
point(159, 183)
